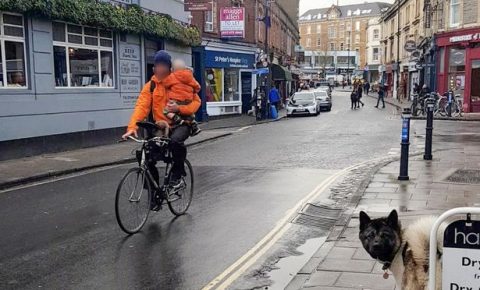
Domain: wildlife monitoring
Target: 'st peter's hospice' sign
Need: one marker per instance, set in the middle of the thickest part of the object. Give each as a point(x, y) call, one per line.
point(461, 256)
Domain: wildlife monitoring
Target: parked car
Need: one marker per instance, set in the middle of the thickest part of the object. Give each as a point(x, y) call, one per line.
point(324, 99)
point(303, 103)
point(325, 86)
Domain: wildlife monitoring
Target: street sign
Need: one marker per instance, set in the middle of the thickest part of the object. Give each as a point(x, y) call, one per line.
point(196, 5)
point(461, 255)
point(410, 46)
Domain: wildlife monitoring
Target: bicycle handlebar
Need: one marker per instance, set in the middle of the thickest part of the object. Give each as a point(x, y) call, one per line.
point(164, 141)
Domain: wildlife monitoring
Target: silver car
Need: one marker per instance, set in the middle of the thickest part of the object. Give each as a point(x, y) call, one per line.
point(324, 99)
point(303, 103)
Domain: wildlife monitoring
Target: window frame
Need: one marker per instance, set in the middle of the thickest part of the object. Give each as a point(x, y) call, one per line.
point(10, 38)
point(67, 45)
point(457, 5)
point(207, 23)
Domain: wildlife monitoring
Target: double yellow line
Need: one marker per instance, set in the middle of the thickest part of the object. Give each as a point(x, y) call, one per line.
point(233, 272)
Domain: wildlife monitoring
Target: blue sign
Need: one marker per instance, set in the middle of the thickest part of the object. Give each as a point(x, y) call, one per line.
point(225, 59)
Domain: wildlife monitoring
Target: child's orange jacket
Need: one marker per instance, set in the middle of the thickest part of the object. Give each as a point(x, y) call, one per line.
point(182, 86)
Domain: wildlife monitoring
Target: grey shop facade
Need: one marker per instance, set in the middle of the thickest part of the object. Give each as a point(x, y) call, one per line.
point(64, 85)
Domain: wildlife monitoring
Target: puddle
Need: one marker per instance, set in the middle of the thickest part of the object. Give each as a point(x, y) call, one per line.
point(289, 267)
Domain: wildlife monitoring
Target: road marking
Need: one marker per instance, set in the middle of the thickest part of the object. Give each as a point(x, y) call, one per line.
point(244, 128)
point(227, 277)
point(59, 178)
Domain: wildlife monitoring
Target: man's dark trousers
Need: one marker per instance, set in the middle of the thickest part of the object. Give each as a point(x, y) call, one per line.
point(179, 152)
point(380, 97)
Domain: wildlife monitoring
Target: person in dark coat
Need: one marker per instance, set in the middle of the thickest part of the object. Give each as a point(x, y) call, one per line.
point(381, 96)
point(367, 87)
point(359, 96)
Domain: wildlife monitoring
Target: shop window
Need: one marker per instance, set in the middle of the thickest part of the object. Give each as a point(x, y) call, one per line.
point(222, 85)
point(231, 93)
point(12, 51)
point(82, 56)
point(375, 54)
point(454, 13)
point(456, 70)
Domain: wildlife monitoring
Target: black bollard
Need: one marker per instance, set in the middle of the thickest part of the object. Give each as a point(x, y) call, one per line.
point(406, 115)
point(430, 104)
point(450, 103)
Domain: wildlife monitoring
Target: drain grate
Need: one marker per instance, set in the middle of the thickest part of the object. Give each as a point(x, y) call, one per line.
point(471, 176)
point(318, 215)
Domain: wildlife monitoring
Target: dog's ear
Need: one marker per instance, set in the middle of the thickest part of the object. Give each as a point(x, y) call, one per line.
point(393, 219)
point(364, 220)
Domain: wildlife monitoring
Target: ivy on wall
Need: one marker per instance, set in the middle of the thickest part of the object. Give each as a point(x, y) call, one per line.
point(103, 14)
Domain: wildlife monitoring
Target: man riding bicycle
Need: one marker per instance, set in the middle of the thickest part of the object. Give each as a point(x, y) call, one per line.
point(154, 99)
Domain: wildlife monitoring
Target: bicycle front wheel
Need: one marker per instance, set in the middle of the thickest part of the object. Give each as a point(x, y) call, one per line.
point(132, 202)
point(179, 200)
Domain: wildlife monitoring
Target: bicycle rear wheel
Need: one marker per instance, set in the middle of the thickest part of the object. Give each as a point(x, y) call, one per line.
point(132, 201)
point(179, 201)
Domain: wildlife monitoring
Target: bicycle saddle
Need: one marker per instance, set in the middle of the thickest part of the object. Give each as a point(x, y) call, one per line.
point(148, 126)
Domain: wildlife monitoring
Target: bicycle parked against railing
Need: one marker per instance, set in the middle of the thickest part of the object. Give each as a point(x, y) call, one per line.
point(442, 105)
point(139, 192)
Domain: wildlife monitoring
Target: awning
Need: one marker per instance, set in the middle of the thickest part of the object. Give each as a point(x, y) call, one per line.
point(280, 73)
point(261, 71)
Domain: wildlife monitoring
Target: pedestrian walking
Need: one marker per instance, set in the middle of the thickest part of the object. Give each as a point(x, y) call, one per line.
point(367, 87)
point(359, 96)
point(381, 96)
point(354, 98)
point(274, 97)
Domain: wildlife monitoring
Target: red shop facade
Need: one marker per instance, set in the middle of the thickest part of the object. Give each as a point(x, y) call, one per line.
point(458, 61)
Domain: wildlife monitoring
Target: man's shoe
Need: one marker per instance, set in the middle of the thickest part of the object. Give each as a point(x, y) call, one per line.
point(196, 131)
point(376, 107)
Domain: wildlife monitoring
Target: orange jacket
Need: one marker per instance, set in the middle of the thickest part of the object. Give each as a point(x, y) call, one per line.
point(160, 100)
point(181, 86)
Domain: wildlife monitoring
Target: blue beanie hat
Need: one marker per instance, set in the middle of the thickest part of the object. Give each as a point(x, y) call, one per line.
point(162, 57)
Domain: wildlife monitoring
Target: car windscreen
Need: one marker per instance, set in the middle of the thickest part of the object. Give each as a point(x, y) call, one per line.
point(321, 94)
point(303, 97)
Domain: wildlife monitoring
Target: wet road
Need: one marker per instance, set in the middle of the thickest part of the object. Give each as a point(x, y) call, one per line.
point(63, 234)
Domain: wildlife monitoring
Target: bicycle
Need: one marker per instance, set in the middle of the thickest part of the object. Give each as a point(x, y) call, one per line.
point(135, 190)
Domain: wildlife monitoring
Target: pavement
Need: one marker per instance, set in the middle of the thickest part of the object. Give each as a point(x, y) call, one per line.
point(434, 187)
point(18, 171)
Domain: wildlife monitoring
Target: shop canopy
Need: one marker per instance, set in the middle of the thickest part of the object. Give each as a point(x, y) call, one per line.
point(281, 73)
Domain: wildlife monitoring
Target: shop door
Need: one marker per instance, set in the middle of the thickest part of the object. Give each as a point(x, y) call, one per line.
point(151, 47)
point(246, 79)
point(475, 86)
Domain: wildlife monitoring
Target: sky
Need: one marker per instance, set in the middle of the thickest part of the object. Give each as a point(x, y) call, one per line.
point(312, 4)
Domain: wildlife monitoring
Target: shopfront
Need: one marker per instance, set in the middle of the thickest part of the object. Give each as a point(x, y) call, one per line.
point(459, 66)
point(229, 82)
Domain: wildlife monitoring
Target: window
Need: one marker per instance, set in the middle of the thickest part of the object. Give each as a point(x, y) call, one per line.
point(319, 42)
point(12, 51)
point(309, 29)
point(456, 70)
point(357, 38)
point(407, 14)
point(217, 79)
point(357, 26)
point(375, 54)
point(454, 13)
point(331, 32)
point(309, 42)
point(319, 28)
point(85, 54)
point(376, 34)
point(208, 27)
point(332, 46)
point(342, 47)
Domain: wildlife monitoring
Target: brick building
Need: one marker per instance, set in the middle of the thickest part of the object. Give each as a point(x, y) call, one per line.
point(229, 85)
point(332, 36)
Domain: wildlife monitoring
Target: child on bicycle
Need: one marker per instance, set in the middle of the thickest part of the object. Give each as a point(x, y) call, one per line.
point(182, 88)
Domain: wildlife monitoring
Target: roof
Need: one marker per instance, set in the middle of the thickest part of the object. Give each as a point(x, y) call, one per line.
point(354, 10)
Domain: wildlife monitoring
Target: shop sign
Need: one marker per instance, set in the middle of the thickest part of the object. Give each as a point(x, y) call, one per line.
point(225, 59)
point(232, 22)
point(461, 255)
point(198, 5)
point(129, 68)
point(129, 100)
point(130, 84)
point(129, 52)
point(464, 38)
point(410, 46)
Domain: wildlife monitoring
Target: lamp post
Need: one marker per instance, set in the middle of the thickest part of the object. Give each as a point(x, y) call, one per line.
point(268, 85)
